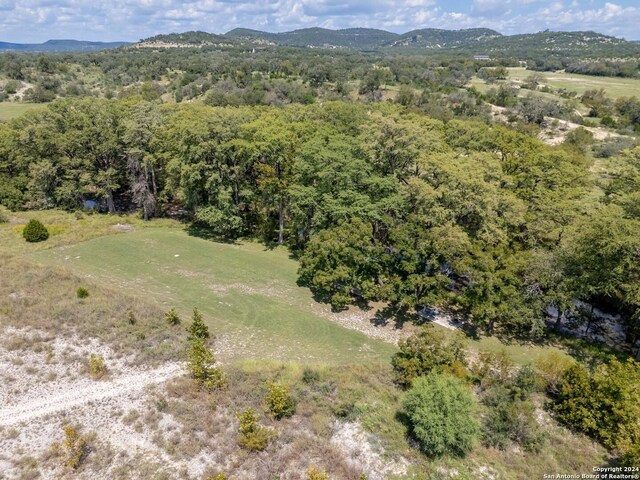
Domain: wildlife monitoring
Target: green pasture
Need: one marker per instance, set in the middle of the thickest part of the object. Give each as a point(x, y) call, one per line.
point(247, 293)
point(614, 86)
point(9, 110)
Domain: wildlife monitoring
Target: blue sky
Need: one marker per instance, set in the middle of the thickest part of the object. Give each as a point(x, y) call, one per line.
point(40, 20)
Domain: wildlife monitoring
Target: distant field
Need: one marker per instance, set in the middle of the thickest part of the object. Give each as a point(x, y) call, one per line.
point(247, 293)
point(615, 86)
point(9, 110)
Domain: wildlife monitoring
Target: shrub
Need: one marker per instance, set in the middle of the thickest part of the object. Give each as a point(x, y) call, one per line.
point(252, 436)
point(426, 350)
point(279, 401)
point(310, 376)
point(73, 449)
point(198, 329)
point(3, 215)
point(493, 368)
point(82, 292)
point(314, 474)
point(441, 411)
point(604, 404)
point(172, 317)
point(200, 363)
point(35, 231)
point(524, 382)
point(97, 367)
point(550, 371)
point(510, 420)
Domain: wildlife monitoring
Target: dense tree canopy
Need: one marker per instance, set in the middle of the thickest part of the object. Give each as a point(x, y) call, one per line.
point(380, 202)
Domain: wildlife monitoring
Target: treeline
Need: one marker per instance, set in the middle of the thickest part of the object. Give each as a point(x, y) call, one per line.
point(237, 76)
point(601, 68)
point(380, 202)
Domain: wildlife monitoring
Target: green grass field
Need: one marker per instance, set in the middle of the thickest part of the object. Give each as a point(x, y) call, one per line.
point(9, 110)
point(247, 293)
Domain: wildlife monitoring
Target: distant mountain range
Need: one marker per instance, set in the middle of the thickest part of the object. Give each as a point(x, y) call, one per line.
point(478, 40)
point(431, 40)
point(60, 46)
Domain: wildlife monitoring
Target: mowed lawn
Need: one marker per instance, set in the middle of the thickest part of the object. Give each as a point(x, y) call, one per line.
point(9, 110)
point(247, 293)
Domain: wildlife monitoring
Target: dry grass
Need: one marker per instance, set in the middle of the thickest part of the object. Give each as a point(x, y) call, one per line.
point(66, 229)
point(208, 428)
point(44, 298)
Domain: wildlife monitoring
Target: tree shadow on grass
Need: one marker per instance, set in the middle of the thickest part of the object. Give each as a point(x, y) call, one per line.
point(206, 233)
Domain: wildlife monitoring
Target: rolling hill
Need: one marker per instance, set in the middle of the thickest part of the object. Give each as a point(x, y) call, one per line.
point(437, 38)
point(354, 38)
point(467, 41)
point(429, 40)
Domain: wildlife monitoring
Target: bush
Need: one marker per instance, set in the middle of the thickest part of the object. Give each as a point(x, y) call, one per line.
point(82, 292)
point(172, 317)
point(426, 350)
point(524, 383)
point(252, 436)
point(97, 367)
point(35, 231)
point(310, 376)
point(279, 401)
point(604, 404)
point(200, 363)
point(493, 368)
point(314, 474)
point(3, 215)
point(442, 414)
point(73, 449)
point(198, 329)
point(510, 420)
point(550, 371)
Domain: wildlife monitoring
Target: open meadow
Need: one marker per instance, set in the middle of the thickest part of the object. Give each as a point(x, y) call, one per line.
point(9, 110)
point(614, 86)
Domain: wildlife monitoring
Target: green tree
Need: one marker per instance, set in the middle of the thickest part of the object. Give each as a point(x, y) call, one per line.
point(198, 329)
point(200, 364)
point(340, 262)
point(442, 412)
point(604, 404)
point(35, 231)
point(429, 349)
point(279, 401)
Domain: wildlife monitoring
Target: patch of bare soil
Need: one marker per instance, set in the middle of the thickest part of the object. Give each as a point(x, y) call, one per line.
point(123, 227)
point(24, 86)
point(557, 130)
point(47, 385)
point(364, 450)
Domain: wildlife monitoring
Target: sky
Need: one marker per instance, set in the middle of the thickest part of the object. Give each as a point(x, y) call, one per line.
point(34, 21)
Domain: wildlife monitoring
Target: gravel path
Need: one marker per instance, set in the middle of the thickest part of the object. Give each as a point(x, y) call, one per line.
point(71, 398)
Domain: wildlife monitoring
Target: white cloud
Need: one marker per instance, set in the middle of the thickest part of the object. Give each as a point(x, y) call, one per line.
point(39, 20)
